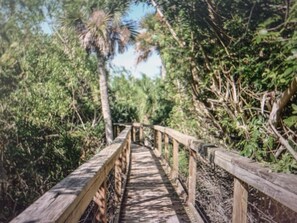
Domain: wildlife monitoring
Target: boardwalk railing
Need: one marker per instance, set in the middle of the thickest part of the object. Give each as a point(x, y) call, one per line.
point(95, 187)
point(94, 191)
point(247, 173)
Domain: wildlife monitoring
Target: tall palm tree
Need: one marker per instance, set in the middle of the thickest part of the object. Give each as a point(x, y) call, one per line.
point(104, 34)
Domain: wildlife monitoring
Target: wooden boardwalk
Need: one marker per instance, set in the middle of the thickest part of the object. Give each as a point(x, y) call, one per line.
point(150, 197)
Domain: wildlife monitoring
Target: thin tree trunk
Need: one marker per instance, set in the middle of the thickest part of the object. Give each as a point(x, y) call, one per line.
point(104, 100)
point(173, 33)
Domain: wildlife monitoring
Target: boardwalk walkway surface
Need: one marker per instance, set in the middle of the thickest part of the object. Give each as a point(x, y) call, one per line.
point(149, 195)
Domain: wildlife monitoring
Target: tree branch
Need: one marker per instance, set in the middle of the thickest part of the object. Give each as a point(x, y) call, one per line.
point(173, 33)
point(284, 142)
point(279, 105)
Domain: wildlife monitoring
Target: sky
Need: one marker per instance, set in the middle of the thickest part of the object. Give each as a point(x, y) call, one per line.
point(127, 60)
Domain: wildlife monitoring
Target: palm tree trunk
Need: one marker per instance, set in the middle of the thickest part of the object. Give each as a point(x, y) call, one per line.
point(104, 100)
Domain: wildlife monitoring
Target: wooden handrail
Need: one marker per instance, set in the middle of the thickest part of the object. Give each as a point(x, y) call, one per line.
point(67, 201)
point(246, 172)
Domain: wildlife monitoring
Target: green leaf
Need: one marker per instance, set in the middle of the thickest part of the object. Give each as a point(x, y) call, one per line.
point(294, 106)
point(291, 121)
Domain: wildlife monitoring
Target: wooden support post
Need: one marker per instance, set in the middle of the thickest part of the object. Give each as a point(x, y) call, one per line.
point(155, 139)
point(133, 133)
point(124, 159)
point(192, 178)
point(118, 179)
point(114, 131)
point(100, 200)
point(128, 151)
point(166, 141)
point(240, 201)
point(118, 131)
point(129, 140)
point(128, 155)
point(141, 138)
point(159, 143)
point(174, 173)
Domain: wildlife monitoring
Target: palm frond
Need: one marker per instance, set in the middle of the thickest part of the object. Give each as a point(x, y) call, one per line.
point(104, 32)
point(144, 46)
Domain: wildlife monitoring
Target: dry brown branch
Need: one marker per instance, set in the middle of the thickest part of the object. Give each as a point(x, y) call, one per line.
point(284, 142)
point(280, 150)
point(280, 104)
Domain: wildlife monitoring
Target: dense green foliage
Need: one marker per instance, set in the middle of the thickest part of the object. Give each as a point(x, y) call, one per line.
point(52, 115)
point(140, 100)
point(231, 60)
point(228, 64)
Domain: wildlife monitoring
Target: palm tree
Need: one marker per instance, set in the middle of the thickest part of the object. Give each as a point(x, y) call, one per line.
point(104, 34)
point(146, 43)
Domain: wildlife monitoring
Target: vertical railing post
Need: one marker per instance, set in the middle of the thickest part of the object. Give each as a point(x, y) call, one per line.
point(124, 159)
point(155, 139)
point(128, 151)
point(118, 179)
point(166, 141)
point(133, 133)
point(159, 142)
point(118, 130)
point(174, 173)
point(100, 200)
point(114, 130)
point(141, 138)
point(192, 177)
point(240, 201)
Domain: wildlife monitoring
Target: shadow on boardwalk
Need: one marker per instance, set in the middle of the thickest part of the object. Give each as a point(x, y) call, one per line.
point(149, 196)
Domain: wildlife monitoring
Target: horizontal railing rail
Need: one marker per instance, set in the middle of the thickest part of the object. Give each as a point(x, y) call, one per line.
point(68, 200)
point(246, 172)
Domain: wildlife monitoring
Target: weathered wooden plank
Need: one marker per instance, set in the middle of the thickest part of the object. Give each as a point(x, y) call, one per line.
point(67, 200)
point(77, 208)
point(192, 178)
point(100, 200)
point(180, 137)
point(180, 190)
point(174, 174)
point(150, 195)
point(240, 201)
